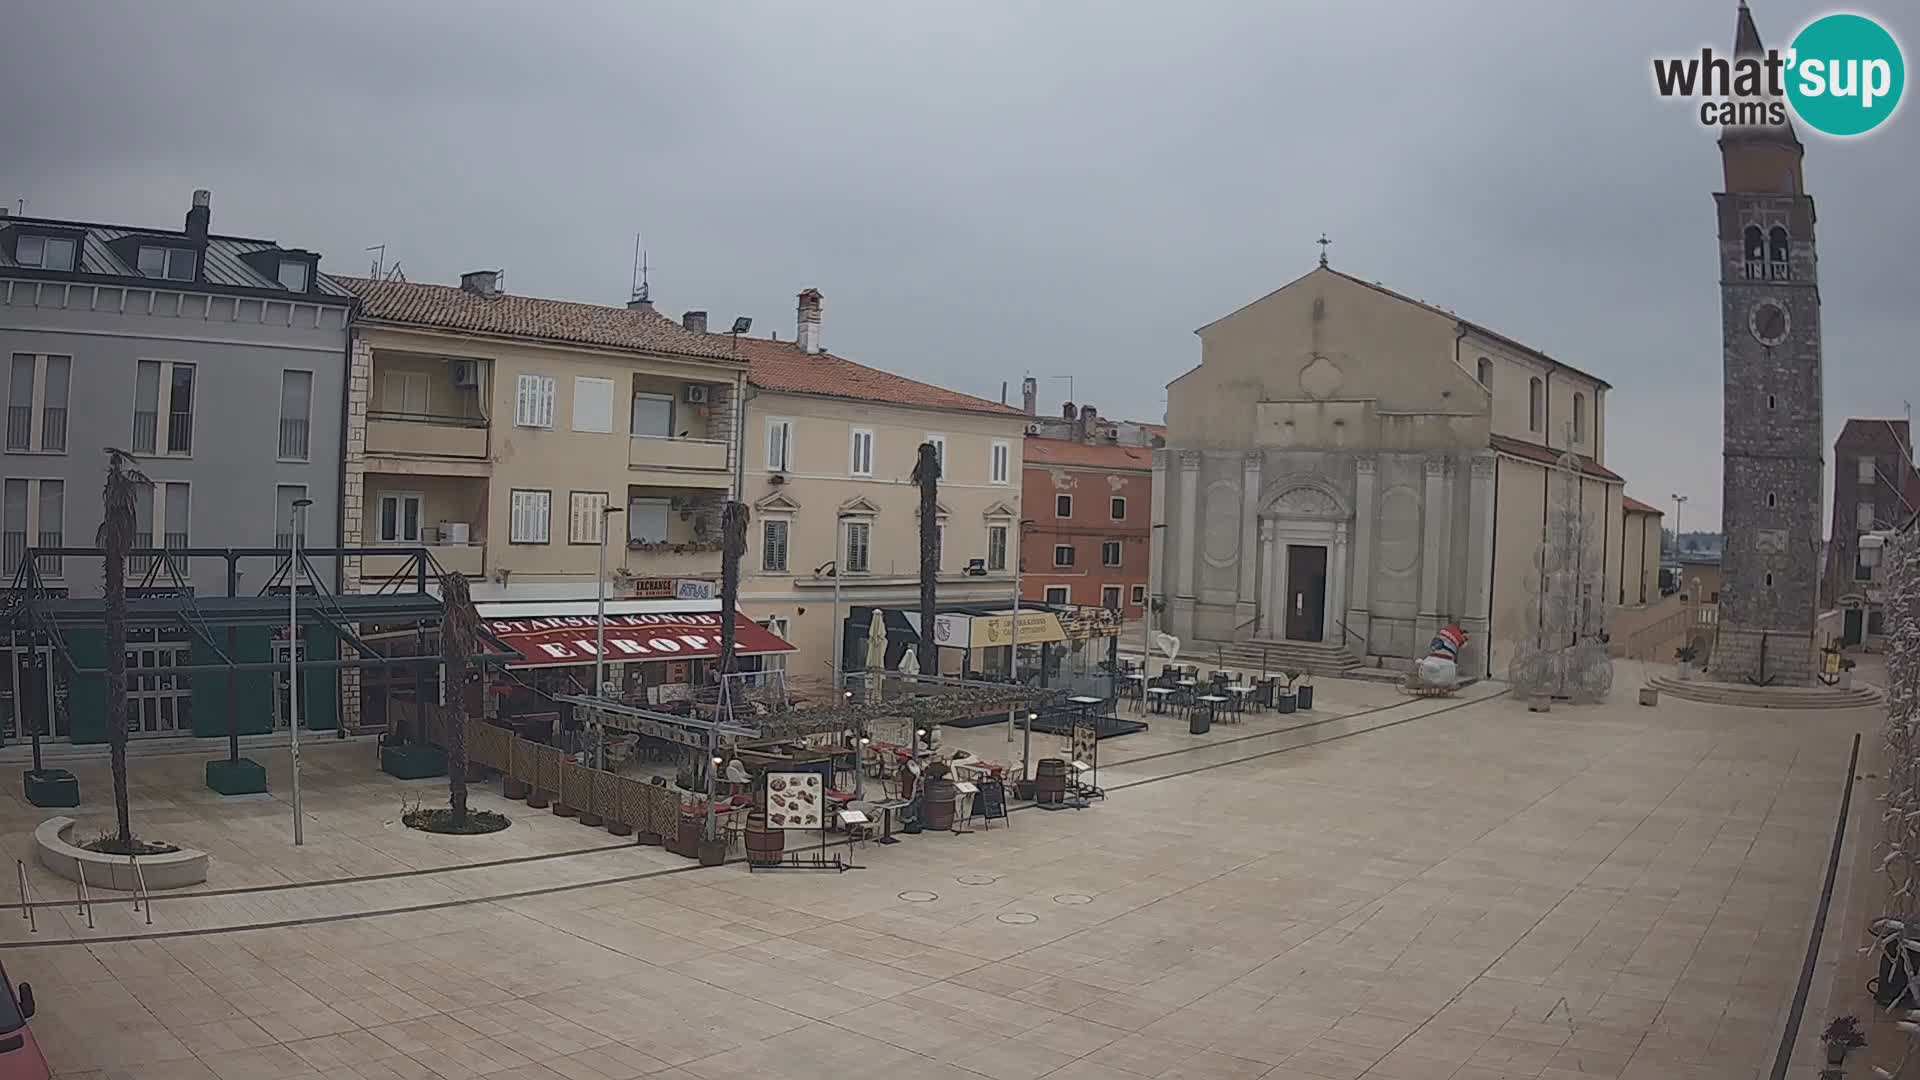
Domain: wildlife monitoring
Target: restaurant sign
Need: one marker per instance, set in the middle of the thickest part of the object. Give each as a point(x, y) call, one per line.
point(996, 631)
point(681, 636)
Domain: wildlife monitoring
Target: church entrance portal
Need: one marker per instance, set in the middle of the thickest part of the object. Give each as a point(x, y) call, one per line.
point(1306, 592)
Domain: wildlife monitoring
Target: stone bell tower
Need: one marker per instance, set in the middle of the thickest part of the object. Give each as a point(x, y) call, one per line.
point(1772, 469)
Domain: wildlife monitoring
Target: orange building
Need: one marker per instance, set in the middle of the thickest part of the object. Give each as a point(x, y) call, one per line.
point(1086, 532)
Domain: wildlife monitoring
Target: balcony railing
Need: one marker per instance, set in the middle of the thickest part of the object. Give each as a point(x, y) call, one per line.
point(179, 433)
point(468, 559)
point(689, 455)
point(138, 565)
point(437, 436)
point(51, 565)
point(13, 549)
point(146, 427)
point(19, 427)
point(53, 428)
point(293, 439)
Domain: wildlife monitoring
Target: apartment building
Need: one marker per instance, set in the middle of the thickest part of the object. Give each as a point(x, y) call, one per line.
point(831, 446)
point(1875, 489)
point(509, 434)
point(1090, 502)
point(219, 362)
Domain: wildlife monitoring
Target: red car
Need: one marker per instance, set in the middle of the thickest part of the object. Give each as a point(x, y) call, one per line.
point(20, 1057)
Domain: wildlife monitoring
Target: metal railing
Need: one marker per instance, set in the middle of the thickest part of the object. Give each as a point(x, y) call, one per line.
point(179, 433)
point(26, 897)
point(146, 429)
point(13, 549)
point(84, 900)
point(293, 438)
point(142, 899)
point(19, 427)
point(138, 565)
point(53, 428)
point(51, 565)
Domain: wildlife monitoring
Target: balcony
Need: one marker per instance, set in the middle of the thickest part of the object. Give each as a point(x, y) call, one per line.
point(665, 562)
point(696, 462)
point(468, 559)
point(412, 435)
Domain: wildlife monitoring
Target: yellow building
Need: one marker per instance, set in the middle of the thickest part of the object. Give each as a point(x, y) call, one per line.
point(830, 449)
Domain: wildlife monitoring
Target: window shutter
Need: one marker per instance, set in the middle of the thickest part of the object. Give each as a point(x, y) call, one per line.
point(592, 404)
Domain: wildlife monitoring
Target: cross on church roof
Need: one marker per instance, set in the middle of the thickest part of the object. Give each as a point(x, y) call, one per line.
point(1323, 242)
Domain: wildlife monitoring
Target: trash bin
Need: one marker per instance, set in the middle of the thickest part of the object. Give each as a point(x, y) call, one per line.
point(1199, 721)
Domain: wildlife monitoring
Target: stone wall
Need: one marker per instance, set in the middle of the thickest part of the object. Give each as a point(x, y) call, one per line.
point(353, 507)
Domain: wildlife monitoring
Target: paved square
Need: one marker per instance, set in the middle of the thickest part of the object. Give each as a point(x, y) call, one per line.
point(1475, 893)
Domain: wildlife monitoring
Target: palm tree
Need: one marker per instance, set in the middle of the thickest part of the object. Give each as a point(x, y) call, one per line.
point(733, 546)
point(459, 637)
point(926, 474)
point(116, 537)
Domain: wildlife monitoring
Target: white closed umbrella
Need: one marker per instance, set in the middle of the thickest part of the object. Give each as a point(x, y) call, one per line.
point(910, 663)
point(876, 643)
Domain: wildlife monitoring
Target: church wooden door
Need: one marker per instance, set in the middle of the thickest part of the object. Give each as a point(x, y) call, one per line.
point(1306, 592)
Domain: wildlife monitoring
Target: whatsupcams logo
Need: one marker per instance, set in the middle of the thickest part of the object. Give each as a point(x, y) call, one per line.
point(1842, 76)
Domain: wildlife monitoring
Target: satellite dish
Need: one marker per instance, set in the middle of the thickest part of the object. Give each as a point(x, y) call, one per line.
point(1168, 644)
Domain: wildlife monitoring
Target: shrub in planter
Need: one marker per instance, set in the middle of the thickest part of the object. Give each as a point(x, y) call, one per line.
point(1842, 1034)
point(1686, 655)
point(1287, 701)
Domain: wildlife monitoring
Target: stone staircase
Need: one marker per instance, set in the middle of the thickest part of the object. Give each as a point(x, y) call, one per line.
point(1767, 697)
point(1315, 658)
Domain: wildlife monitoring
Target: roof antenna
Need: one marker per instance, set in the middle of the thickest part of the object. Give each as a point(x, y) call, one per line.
point(639, 288)
point(379, 256)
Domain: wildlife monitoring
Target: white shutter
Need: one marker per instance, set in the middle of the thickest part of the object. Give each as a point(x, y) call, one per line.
point(532, 511)
point(780, 445)
point(592, 404)
point(533, 401)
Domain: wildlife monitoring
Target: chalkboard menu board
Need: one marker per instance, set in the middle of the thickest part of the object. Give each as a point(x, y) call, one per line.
point(991, 802)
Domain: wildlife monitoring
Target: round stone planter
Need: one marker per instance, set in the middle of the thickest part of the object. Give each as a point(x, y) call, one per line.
point(53, 844)
point(561, 809)
point(591, 820)
point(539, 799)
point(514, 789)
point(619, 828)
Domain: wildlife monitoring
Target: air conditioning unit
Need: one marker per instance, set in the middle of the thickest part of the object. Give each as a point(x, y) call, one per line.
point(695, 393)
point(466, 373)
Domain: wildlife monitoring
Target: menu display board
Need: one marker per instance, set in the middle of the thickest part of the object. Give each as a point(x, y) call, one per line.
point(794, 800)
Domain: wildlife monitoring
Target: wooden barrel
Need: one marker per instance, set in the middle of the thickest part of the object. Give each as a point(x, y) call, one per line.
point(1050, 781)
point(765, 845)
point(937, 803)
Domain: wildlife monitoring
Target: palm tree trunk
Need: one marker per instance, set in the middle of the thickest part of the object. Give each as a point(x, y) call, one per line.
point(459, 636)
point(116, 536)
point(926, 474)
point(733, 545)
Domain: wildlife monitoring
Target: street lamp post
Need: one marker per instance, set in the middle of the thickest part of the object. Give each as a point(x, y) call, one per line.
point(293, 663)
point(1678, 502)
point(600, 639)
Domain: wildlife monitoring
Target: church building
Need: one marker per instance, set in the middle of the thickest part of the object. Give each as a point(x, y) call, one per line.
point(1349, 469)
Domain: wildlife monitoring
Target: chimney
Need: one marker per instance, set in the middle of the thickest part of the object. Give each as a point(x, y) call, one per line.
point(809, 322)
point(640, 303)
point(481, 282)
point(1029, 394)
point(200, 215)
point(1066, 411)
point(696, 321)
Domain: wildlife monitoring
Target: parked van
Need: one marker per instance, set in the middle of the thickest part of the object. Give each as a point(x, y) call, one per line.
point(20, 1057)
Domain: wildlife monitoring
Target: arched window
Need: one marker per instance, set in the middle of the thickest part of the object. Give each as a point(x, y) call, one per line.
point(1536, 404)
point(1486, 373)
point(1753, 244)
point(1770, 500)
point(1769, 581)
point(1579, 418)
point(1779, 254)
point(1772, 401)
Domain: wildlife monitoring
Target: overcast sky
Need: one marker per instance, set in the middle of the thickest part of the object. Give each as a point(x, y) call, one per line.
point(987, 190)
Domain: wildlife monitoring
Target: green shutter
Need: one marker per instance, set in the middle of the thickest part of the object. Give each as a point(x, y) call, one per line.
point(319, 687)
point(251, 706)
point(87, 694)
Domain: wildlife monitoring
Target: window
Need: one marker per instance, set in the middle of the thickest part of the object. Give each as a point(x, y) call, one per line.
point(651, 415)
point(1063, 555)
point(296, 402)
point(1063, 506)
point(1139, 594)
point(996, 547)
point(533, 401)
point(586, 516)
point(1110, 553)
point(1579, 418)
point(773, 545)
point(1778, 252)
point(939, 442)
point(779, 444)
point(531, 514)
point(860, 454)
point(1059, 594)
point(1769, 581)
point(405, 393)
point(174, 503)
point(1000, 461)
point(859, 546)
point(1772, 402)
point(293, 275)
point(1485, 373)
point(284, 496)
point(1110, 597)
point(592, 405)
point(51, 373)
point(174, 264)
point(1770, 500)
point(1117, 506)
point(647, 517)
point(13, 527)
point(1861, 571)
point(1536, 404)
point(163, 407)
point(1863, 516)
point(158, 704)
point(44, 252)
point(939, 545)
point(1867, 475)
point(400, 517)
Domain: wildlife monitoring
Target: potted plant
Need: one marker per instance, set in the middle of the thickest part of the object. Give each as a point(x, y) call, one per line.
point(1303, 694)
point(1846, 672)
point(1286, 701)
point(1842, 1034)
point(1685, 654)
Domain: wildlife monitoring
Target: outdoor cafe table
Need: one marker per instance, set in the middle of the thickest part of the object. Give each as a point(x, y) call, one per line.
point(1157, 698)
point(1213, 702)
point(1132, 683)
point(1241, 691)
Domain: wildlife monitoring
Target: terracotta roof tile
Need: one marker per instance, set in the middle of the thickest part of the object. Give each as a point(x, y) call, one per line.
point(1535, 452)
point(1066, 452)
point(1628, 502)
point(781, 367)
point(447, 307)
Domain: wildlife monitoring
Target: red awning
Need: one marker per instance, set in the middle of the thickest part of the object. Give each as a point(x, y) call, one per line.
point(689, 636)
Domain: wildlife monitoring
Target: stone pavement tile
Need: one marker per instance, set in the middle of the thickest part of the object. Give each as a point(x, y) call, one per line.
point(1212, 1065)
point(612, 1062)
point(399, 1067)
point(223, 1035)
point(1145, 1054)
point(1008, 1059)
point(1402, 1065)
point(465, 1060)
point(343, 1050)
point(258, 1063)
point(1072, 1035)
point(292, 1026)
point(1334, 1060)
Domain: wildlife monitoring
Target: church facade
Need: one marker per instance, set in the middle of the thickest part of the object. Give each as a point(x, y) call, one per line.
point(1351, 467)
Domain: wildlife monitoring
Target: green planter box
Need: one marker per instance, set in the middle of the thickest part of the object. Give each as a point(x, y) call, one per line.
point(413, 762)
point(244, 776)
point(51, 787)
